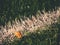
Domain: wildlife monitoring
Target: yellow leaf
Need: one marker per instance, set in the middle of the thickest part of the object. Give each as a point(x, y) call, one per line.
point(18, 34)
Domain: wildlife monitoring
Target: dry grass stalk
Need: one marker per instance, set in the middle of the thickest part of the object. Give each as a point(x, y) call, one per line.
point(41, 20)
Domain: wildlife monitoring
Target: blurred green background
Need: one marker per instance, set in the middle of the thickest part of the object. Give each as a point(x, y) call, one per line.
point(11, 9)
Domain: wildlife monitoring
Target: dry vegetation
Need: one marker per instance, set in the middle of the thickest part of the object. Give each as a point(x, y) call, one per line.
point(28, 25)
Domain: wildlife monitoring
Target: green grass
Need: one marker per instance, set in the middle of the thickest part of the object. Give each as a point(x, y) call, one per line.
point(45, 37)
